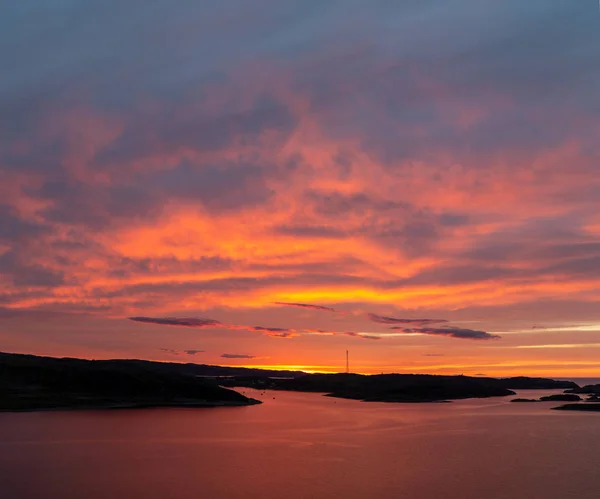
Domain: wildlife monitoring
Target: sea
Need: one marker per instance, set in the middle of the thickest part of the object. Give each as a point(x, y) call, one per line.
point(305, 445)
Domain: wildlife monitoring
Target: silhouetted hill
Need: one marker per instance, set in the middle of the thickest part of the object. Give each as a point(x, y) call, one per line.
point(28, 382)
point(561, 397)
point(384, 387)
point(589, 389)
point(399, 387)
point(525, 383)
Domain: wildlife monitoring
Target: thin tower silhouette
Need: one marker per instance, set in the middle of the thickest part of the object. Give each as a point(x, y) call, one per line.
point(347, 364)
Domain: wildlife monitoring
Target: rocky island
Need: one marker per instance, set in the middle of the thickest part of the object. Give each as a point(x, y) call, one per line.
point(579, 407)
point(398, 387)
point(561, 397)
point(587, 389)
point(29, 382)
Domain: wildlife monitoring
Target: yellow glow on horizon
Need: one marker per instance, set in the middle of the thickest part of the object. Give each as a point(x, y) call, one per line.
point(552, 370)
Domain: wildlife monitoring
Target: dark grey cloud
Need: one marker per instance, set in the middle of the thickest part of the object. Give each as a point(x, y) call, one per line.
point(175, 321)
point(237, 356)
point(270, 329)
point(279, 334)
point(14, 228)
point(112, 128)
point(24, 274)
point(200, 131)
point(202, 323)
point(175, 288)
point(452, 332)
point(180, 352)
point(462, 273)
point(311, 231)
point(93, 206)
point(394, 320)
point(410, 228)
point(306, 305)
point(336, 204)
point(122, 266)
point(273, 332)
point(362, 335)
point(569, 250)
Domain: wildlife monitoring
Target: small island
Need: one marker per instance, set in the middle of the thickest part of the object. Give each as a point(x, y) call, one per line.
point(578, 407)
point(561, 397)
point(587, 389)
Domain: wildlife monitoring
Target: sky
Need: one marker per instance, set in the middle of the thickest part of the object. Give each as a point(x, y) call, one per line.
point(272, 183)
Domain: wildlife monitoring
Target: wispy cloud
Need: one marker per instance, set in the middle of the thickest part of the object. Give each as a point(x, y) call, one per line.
point(362, 335)
point(173, 351)
point(561, 345)
point(237, 356)
point(405, 166)
point(273, 332)
point(452, 332)
point(394, 320)
point(306, 305)
point(184, 321)
point(380, 319)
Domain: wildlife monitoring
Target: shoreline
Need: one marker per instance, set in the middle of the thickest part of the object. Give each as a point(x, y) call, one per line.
point(134, 405)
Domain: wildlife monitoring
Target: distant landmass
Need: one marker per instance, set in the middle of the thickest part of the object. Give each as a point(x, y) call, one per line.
point(29, 382)
point(399, 387)
point(587, 389)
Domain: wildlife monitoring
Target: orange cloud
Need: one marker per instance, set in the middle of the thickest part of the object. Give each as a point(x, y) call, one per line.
point(353, 173)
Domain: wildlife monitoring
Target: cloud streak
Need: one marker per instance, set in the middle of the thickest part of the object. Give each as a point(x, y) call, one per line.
point(393, 320)
point(179, 352)
point(371, 316)
point(306, 305)
point(452, 332)
point(184, 321)
point(273, 332)
point(237, 356)
point(383, 164)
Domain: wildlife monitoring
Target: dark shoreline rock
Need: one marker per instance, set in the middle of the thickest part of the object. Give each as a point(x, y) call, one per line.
point(524, 400)
point(29, 383)
point(135, 405)
point(401, 388)
point(561, 397)
point(525, 383)
point(590, 407)
point(587, 389)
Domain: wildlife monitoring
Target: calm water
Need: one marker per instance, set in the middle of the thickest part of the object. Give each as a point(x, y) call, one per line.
point(299, 445)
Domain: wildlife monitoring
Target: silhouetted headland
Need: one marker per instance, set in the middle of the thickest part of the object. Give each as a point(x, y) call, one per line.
point(561, 397)
point(587, 389)
point(399, 387)
point(29, 382)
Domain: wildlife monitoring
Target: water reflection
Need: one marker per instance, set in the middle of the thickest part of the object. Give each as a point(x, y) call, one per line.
point(299, 445)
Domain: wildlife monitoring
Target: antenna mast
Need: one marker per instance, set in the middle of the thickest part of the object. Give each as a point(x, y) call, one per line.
point(347, 364)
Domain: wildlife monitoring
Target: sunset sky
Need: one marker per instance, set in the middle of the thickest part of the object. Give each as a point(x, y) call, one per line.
point(274, 182)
